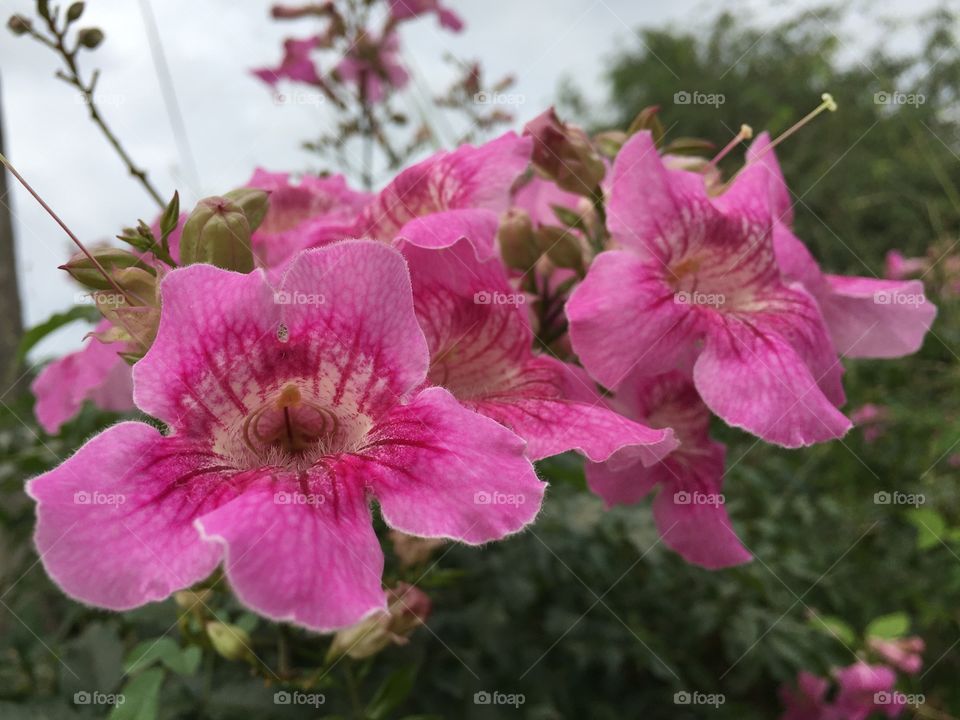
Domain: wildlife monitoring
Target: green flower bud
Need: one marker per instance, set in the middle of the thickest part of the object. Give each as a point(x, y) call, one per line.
point(230, 641)
point(84, 270)
point(217, 233)
point(90, 37)
point(561, 247)
point(515, 237)
point(254, 203)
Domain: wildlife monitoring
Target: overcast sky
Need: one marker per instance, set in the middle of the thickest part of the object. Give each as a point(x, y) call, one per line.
point(231, 122)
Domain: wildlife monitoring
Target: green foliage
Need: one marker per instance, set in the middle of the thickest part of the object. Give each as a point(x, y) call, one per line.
point(587, 615)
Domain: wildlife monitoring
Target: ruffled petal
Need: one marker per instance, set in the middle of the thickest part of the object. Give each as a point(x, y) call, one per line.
point(876, 318)
point(440, 470)
point(311, 558)
point(554, 410)
point(115, 521)
point(754, 378)
point(624, 318)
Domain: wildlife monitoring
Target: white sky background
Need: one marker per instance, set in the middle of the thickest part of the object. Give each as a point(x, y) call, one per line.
point(232, 124)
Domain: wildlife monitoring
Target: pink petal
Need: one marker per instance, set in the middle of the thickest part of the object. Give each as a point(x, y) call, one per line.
point(310, 558)
point(468, 177)
point(754, 378)
point(554, 410)
point(624, 318)
point(758, 156)
point(478, 226)
point(695, 523)
point(314, 212)
point(444, 471)
point(538, 196)
point(96, 373)
point(653, 211)
point(876, 318)
point(341, 320)
point(115, 521)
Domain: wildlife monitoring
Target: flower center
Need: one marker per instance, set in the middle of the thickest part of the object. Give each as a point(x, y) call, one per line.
point(293, 432)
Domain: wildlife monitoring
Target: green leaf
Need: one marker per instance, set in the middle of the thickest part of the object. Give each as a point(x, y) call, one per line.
point(567, 216)
point(38, 332)
point(889, 627)
point(183, 661)
point(392, 692)
point(141, 697)
point(168, 221)
point(834, 627)
point(930, 527)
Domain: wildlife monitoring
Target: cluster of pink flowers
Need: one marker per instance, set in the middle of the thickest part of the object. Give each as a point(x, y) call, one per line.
point(368, 60)
point(383, 350)
point(862, 688)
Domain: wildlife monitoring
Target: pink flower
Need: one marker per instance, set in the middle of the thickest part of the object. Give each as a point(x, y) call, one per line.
point(481, 349)
point(872, 418)
point(689, 508)
point(808, 701)
point(898, 267)
point(695, 282)
point(539, 196)
point(865, 689)
point(289, 405)
point(468, 178)
point(297, 65)
point(315, 210)
point(904, 654)
point(409, 9)
point(866, 317)
point(373, 65)
point(95, 373)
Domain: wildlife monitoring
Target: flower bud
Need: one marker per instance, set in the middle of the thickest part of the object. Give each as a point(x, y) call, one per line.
point(90, 37)
point(515, 237)
point(412, 551)
point(190, 599)
point(85, 271)
point(407, 609)
point(561, 247)
point(253, 201)
point(136, 309)
point(230, 641)
point(19, 25)
point(218, 233)
point(75, 11)
point(565, 154)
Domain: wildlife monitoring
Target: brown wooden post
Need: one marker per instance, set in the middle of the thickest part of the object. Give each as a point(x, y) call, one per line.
point(11, 321)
